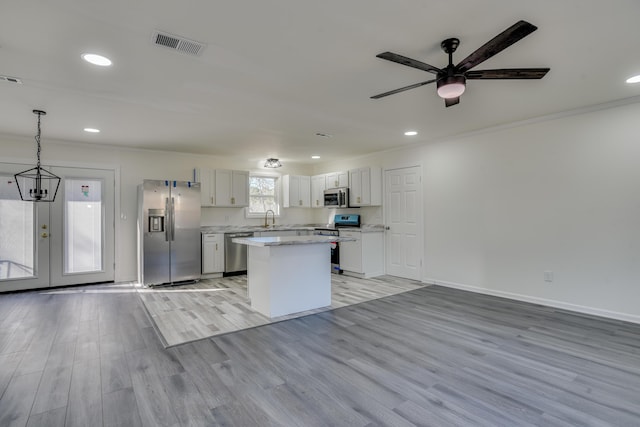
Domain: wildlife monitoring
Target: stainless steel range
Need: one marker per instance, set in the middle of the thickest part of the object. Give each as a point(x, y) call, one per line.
point(339, 221)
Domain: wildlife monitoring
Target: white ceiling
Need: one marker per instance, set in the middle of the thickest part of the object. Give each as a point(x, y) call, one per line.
point(274, 73)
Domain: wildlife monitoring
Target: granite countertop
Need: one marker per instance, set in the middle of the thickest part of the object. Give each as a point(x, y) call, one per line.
point(364, 228)
point(254, 228)
point(290, 240)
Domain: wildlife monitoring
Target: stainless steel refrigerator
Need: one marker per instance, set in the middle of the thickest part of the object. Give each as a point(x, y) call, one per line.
point(169, 242)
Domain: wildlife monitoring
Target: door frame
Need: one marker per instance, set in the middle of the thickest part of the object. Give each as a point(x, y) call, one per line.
point(118, 215)
point(420, 214)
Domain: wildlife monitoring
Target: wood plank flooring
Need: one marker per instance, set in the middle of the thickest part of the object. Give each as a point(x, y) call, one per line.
point(214, 307)
point(431, 357)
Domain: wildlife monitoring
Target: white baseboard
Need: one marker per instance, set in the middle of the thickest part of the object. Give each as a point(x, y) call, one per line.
point(542, 301)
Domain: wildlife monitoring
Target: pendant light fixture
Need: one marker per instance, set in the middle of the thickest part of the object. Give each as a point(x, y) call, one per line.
point(272, 163)
point(34, 184)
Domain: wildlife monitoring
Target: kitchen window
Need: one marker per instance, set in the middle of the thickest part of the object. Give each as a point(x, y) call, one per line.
point(263, 195)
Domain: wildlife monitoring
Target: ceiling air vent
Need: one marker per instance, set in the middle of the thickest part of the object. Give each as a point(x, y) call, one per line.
point(178, 43)
point(10, 79)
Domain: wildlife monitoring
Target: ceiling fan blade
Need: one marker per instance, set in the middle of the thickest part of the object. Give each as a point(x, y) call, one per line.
point(508, 73)
point(402, 89)
point(394, 57)
point(451, 101)
point(516, 32)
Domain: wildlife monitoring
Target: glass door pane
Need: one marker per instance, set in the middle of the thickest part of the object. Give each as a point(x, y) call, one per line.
point(17, 247)
point(83, 225)
point(24, 236)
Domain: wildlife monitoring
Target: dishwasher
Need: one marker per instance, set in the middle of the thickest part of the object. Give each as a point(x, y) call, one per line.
point(235, 255)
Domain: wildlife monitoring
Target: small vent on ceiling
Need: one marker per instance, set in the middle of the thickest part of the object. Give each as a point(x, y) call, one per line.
point(10, 79)
point(178, 43)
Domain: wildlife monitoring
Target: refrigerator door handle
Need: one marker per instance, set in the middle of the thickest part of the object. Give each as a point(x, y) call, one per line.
point(173, 219)
point(167, 219)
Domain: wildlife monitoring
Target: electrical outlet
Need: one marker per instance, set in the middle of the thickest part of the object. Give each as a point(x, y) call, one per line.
point(226, 218)
point(548, 276)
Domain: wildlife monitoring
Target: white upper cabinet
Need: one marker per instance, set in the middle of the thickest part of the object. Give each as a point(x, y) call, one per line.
point(239, 188)
point(223, 188)
point(296, 191)
point(365, 186)
point(337, 179)
point(318, 185)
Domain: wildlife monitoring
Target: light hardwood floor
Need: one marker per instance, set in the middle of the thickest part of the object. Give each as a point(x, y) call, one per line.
point(433, 356)
point(213, 307)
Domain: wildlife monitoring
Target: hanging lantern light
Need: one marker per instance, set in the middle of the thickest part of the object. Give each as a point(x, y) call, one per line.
point(34, 184)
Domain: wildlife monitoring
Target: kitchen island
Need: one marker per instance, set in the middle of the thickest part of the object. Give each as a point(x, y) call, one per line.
point(290, 274)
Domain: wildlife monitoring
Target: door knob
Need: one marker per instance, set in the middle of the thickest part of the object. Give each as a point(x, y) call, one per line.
point(44, 235)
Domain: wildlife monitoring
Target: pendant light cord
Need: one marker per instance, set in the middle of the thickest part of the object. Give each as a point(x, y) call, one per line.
point(38, 141)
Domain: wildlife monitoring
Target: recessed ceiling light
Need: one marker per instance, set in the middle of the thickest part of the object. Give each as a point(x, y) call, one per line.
point(92, 130)
point(411, 133)
point(634, 79)
point(96, 59)
point(315, 157)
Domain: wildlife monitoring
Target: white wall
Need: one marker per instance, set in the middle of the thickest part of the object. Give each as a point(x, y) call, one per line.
point(560, 195)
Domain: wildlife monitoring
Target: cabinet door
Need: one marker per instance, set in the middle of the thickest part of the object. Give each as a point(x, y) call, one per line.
point(343, 179)
point(219, 254)
point(318, 184)
point(206, 179)
point(355, 187)
point(365, 189)
point(290, 190)
point(305, 192)
point(212, 253)
point(240, 188)
point(351, 252)
point(331, 180)
point(223, 187)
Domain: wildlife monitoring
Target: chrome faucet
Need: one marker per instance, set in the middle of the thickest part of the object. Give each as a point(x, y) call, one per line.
point(266, 216)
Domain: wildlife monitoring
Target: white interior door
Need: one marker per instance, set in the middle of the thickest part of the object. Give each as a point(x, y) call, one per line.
point(69, 241)
point(403, 222)
point(24, 236)
point(82, 224)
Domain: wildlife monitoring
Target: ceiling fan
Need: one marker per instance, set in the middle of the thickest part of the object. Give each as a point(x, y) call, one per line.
point(451, 80)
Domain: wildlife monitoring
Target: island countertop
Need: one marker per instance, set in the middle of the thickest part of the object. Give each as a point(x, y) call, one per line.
point(290, 240)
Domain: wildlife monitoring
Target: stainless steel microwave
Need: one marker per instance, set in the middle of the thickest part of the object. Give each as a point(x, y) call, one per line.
point(336, 198)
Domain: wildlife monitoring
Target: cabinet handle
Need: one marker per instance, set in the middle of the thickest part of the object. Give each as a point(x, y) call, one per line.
point(358, 199)
point(233, 200)
point(299, 202)
point(216, 246)
point(212, 202)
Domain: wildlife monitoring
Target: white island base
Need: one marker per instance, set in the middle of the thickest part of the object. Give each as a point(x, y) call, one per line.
point(286, 279)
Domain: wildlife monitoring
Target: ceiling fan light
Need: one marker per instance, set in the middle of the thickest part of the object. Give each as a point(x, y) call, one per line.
point(451, 86)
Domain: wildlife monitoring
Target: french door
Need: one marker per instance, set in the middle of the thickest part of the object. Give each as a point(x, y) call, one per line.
point(67, 242)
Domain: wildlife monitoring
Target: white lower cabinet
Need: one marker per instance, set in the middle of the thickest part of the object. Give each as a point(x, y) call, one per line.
point(363, 257)
point(212, 253)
